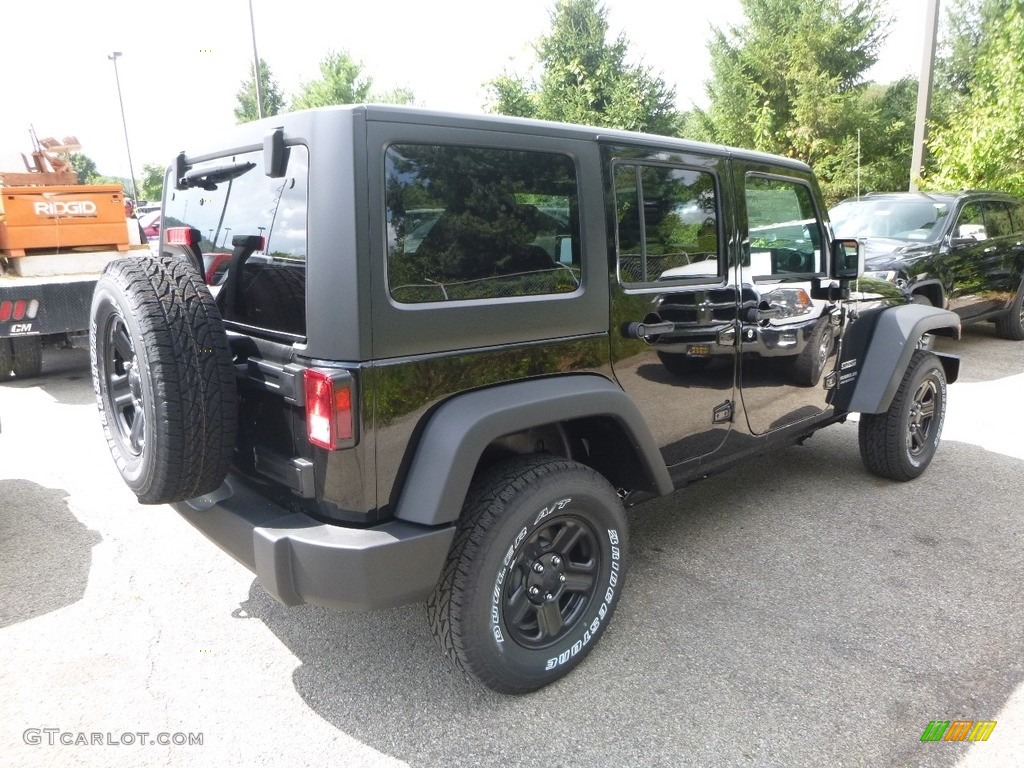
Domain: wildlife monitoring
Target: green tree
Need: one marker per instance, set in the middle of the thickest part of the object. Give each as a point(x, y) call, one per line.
point(85, 168)
point(273, 99)
point(790, 81)
point(585, 78)
point(342, 81)
point(981, 142)
point(152, 186)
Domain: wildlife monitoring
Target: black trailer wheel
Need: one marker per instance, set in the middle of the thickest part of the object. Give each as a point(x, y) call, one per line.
point(534, 573)
point(26, 356)
point(900, 443)
point(163, 376)
point(5, 359)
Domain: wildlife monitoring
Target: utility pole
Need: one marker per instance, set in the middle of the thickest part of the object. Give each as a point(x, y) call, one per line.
point(924, 90)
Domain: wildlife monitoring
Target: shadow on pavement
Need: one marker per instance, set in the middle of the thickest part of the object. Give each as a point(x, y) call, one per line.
point(767, 620)
point(66, 376)
point(45, 552)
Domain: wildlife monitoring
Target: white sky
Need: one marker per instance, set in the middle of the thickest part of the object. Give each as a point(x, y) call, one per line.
point(183, 60)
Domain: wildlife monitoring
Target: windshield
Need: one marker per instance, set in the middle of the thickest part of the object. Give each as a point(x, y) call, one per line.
point(914, 220)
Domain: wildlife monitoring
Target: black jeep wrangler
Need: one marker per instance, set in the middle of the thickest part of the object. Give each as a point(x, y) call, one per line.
point(387, 355)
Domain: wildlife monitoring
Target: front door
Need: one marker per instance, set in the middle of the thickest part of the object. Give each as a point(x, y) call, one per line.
point(787, 342)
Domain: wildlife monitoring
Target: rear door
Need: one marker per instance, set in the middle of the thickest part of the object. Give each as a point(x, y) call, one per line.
point(674, 304)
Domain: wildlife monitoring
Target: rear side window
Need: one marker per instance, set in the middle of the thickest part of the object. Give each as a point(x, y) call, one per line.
point(231, 199)
point(473, 223)
point(667, 224)
point(997, 218)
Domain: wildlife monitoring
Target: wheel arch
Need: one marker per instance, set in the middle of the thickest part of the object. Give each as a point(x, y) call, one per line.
point(454, 442)
point(888, 350)
point(931, 290)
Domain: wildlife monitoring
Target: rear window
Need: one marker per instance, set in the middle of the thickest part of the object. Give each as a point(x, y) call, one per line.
point(475, 223)
point(235, 199)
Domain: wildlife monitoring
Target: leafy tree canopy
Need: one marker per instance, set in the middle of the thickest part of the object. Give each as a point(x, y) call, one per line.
point(152, 186)
point(342, 81)
point(585, 78)
point(85, 167)
point(273, 99)
point(980, 143)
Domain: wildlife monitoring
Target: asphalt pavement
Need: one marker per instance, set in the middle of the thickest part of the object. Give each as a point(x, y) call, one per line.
point(794, 612)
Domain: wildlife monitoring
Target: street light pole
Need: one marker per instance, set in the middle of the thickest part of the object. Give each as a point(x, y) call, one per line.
point(256, 65)
point(128, 147)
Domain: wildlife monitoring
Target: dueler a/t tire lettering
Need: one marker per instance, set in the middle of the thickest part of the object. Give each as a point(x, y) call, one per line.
point(534, 574)
point(163, 377)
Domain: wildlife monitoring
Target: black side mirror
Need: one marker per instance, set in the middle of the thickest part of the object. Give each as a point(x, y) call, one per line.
point(847, 261)
point(275, 154)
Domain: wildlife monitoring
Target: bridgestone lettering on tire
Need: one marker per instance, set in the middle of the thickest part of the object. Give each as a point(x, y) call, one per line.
point(900, 443)
point(534, 574)
point(163, 377)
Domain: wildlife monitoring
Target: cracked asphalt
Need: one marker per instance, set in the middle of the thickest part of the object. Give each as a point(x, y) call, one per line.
point(794, 612)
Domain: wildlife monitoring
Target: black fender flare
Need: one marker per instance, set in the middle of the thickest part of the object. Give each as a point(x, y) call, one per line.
point(890, 348)
point(461, 428)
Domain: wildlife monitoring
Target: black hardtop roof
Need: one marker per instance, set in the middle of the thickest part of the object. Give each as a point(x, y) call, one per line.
point(304, 121)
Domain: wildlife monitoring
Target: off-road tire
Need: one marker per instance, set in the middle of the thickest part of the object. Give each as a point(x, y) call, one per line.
point(530, 522)
point(900, 443)
point(1011, 324)
point(26, 356)
point(163, 377)
point(810, 363)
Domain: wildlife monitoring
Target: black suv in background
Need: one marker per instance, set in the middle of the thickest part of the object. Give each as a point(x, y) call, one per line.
point(448, 351)
point(960, 250)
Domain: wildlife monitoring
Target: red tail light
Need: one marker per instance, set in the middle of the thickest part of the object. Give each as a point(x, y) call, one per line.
point(330, 408)
point(179, 236)
point(21, 309)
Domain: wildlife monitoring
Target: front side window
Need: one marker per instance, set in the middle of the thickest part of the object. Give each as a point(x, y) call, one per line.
point(667, 224)
point(782, 225)
point(471, 223)
point(971, 223)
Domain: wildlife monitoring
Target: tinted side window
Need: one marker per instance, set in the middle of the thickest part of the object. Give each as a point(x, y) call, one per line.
point(997, 219)
point(971, 222)
point(667, 224)
point(1017, 212)
point(241, 200)
point(785, 235)
point(467, 223)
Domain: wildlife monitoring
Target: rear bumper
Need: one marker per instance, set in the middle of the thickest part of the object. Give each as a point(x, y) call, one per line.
point(301, 560)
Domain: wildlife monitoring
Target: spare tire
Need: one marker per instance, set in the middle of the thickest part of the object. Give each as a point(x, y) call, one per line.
point(163, 376)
